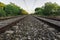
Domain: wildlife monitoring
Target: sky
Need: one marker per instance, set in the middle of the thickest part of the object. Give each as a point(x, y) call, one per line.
point(29, 5)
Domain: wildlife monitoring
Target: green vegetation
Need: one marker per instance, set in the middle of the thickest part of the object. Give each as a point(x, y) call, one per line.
point(11, 10)
point(49, 9)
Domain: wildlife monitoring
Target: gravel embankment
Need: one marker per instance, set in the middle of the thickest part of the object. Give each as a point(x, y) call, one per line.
point(30, 29)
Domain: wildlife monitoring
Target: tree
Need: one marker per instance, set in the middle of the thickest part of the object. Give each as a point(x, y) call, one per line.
point(2, 5)
point(2, 13)
point(12, 9)
point(39, 11)
point(23, 12)
point(58, 11)
point(50, 8)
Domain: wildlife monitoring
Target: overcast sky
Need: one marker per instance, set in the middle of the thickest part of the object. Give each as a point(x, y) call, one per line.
point(29, 5)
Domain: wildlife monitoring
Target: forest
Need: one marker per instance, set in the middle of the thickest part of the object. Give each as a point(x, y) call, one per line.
point(11, 10)
point(48, 9)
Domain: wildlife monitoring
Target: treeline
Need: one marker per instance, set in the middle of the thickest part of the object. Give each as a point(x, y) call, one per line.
point(11, 10)
point(49, 9)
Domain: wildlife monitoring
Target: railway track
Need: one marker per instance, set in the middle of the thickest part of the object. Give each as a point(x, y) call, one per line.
point(6, 18)
point(53, 18)
point(30, 28)
point(10, 22)
point(54, 23)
